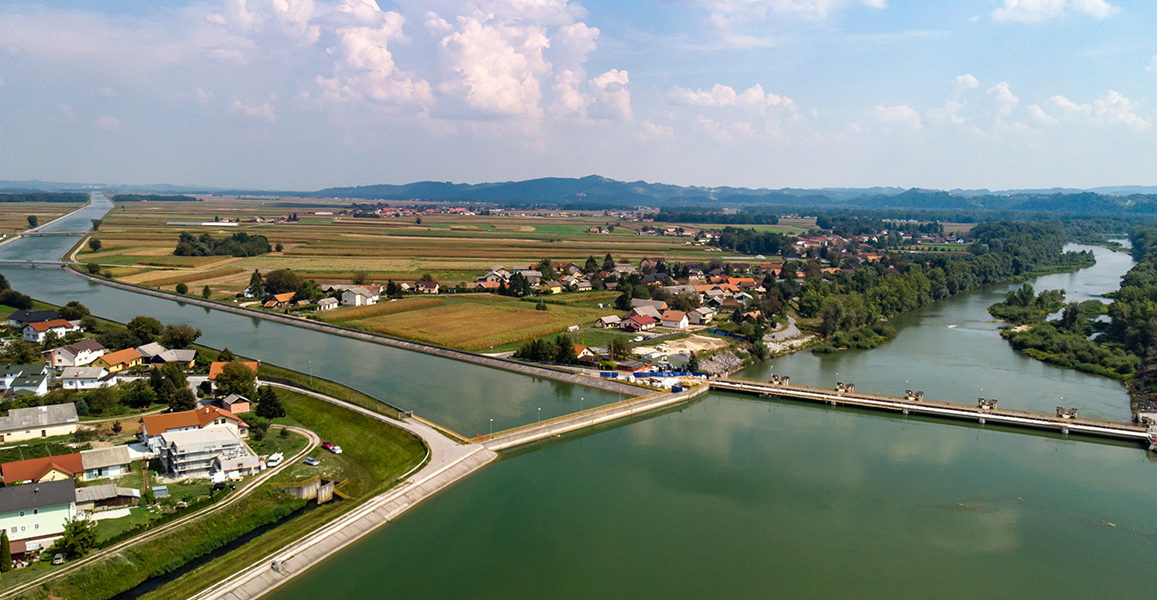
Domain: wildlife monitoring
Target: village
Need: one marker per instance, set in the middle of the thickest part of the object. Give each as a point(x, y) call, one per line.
point(131, 462)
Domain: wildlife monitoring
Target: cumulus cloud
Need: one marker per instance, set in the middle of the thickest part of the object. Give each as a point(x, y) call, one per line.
point(901, 115)
point(364, 66)
point(1006, 101)
point(1112, 109)
point(611, 94)
point(1031, 11)
point(1040, 117)
point(725, 96)
point(964, 82)
point(655, 132)
point(496, 67)
point(1152, 68)
point(291, 19)
point(259, 111)
point(725, 132)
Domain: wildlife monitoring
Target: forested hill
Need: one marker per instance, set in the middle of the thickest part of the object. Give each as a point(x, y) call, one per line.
point(594, 191)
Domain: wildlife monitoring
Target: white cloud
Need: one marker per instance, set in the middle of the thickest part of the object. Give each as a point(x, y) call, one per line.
point(901, 115)
point(260, 111)
point(611, 93)
point(1113, 109)
point(725, 132)
point(364, 67)
point(1152, 68)
point(964, 82)
point(655, 132)
point(1031, 11)
point(291, 19)
point(106, 122)
point(495, 67)
point(720, 96)
point(949, 113)
point(1006, 101)
point(1037, 114)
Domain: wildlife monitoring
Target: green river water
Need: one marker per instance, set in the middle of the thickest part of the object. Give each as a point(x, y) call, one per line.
point(736, 496)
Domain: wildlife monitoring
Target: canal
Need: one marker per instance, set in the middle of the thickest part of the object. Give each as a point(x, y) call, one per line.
point(733, 496)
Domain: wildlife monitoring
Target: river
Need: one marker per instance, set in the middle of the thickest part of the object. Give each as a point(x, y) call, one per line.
point(738, 497)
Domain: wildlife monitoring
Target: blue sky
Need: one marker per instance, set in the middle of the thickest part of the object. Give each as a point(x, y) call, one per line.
point(304, 94)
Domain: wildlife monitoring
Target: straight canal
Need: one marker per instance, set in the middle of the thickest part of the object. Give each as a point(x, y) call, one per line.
point(737, 497)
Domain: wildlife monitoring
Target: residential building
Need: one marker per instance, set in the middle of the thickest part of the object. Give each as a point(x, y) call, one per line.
point(34, 515)
point(206, 417)
point(120, 360)
point(279, 300)
point(38, 332)
point(427, 287)
point(201, 452)
point(149, 351)
point(640, 323)
point(78, 354)
point(675, 319)
point(700, 316)
point(327, 304)
point(86, 378)
point(645, 311)
point(185, 358)
point(38, 422)
point(658, 305)
point(112, 462)
point(42, 469)
point(609, 321)
point(358, 296)
point(23, 317)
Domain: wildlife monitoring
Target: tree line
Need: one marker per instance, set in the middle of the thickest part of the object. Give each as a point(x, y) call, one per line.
point(239, 244)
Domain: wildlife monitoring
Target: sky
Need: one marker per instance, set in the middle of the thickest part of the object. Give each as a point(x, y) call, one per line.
point(307, 94)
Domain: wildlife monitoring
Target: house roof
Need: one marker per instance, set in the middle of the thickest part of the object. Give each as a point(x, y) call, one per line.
point(151, 349)
point(658, 304)
point(39, 416)
point(360, 291)
point(35, 468)
point(215, 368)
point(428, 284)
point(488, 285)
point(159, 424)
point(643, 319)
point(43, 326)
point(181, 356)
point(33, 316)
point(610, 319)
point(105, 457)
point(232, 399)
point(674, 315)
point(94, 493)
point(121, 356)
point(286, 297)
point(83, 373)
point(649, 311)
point(327, 301)
point(82, 345)
point(37, 495)
point(211, 437)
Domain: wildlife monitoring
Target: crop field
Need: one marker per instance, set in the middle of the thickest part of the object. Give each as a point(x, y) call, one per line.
point(351, 313)
point(14, 215)
point(478, 322)
point(138, 242)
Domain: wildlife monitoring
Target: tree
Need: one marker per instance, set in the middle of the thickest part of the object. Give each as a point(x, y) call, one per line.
point(541, 305)
point(608, 262)
point(79, 537)
point(623, 302)
point(619, 348)
point(96, 224)
point(279, 247)
point(92, 268)
point(103, 400)
point(138, 394)
point(564, 350)
point(145, 329)
point(206, 292)
point(182, 288)
point(591, 266)
point(183, 399)
point(33, 221)
point(5, 552)
point(95, 245)
point(236, 378)
point(20, 352)
point(281, 281)
point(309, 290)
point(256, 285)
point(116, 427)
point(361, 278)
point(74, 311)
point(226, 355)
point(179, 336)
point(269, 404)
point(693, 363)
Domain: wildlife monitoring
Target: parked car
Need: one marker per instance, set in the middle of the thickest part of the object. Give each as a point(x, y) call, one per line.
point(311, 461)
point(222, 485)
point(274, 460)
point(58, 559)
point(331, 447)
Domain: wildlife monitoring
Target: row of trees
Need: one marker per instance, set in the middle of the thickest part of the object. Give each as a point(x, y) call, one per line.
point(238, 244)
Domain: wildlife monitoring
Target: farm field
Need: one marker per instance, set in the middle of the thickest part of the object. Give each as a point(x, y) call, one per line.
point(478, 322)
point(14, 215)
point(138, 241)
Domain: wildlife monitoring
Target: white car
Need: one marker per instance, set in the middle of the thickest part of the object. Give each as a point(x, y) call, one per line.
point(274, 460)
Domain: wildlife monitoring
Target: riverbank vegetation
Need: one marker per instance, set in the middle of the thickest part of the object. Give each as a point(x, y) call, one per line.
point(1024, 306)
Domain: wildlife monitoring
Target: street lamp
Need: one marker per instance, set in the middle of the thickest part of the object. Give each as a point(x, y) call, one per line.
point(581, 404)
point(311, 373)
point(540, 414)
point(492, 427)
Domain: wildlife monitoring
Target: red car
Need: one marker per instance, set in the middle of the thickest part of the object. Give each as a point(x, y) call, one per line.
point(331, 447)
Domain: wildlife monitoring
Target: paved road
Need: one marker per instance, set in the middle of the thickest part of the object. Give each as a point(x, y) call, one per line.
point(242, 490)
point(786, 334)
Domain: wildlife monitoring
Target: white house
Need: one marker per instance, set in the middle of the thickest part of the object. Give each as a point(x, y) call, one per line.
point(358, 296)
point(700, 316)
point(206, 417)
point(675, 319)
point(74, 355)
point(608, 322)
point(327, 304)
point(86, 378)
point(99, 463)
point(36, 332)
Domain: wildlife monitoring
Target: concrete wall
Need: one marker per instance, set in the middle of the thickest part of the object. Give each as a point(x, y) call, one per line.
point(471, 357)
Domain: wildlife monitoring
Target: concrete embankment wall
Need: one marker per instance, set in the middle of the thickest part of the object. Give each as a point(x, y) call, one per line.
point(377, 338)
point(589, 418)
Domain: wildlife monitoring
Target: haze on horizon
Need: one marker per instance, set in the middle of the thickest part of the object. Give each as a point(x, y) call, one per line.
point(307, 94)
